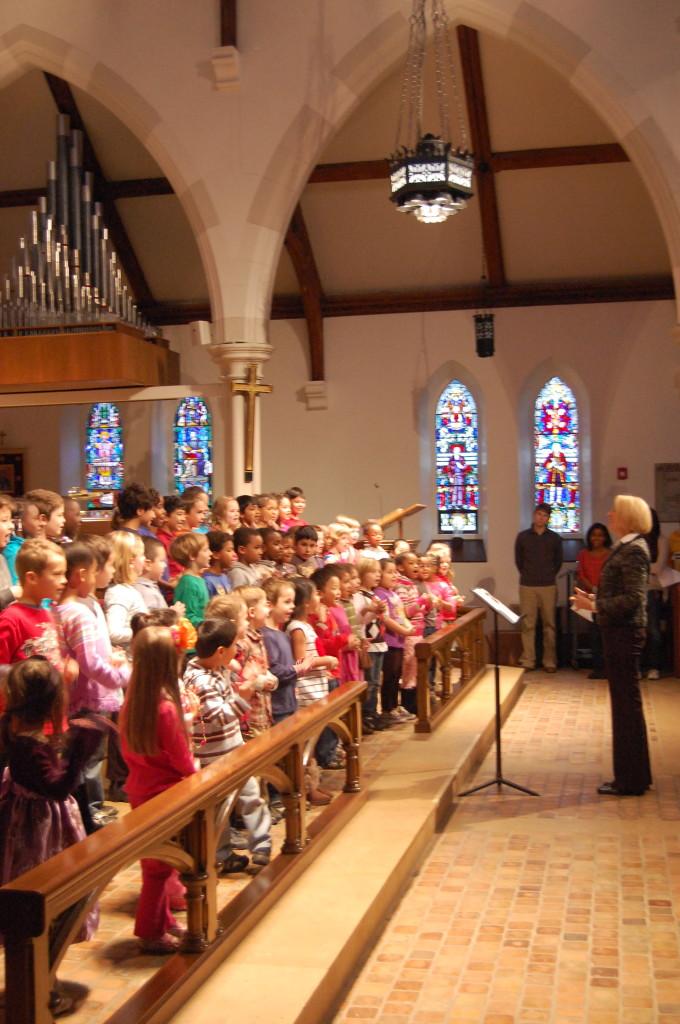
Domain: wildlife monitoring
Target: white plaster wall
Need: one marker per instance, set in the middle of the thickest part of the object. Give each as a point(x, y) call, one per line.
point(238, 161)
point(621, 356)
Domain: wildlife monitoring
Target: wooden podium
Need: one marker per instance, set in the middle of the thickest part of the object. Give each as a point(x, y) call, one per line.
point(398, 516)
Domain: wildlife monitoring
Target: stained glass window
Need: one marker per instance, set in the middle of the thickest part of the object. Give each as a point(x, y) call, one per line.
point(457, 460)
point(104, 448)
point(193, 445)
point(557, 471)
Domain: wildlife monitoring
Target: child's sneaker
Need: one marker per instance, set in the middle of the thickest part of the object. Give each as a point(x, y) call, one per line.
point(260, 859)
point(406, 715)
point(233, 864)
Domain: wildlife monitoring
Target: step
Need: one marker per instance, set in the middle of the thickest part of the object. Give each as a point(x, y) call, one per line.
point(297, 963)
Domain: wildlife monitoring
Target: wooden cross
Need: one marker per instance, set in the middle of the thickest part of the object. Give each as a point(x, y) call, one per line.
point(250, 389)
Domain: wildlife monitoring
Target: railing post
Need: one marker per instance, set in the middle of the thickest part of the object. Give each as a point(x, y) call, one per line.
point(294, 802)
point(27, 980)
point(445, 664)
point(423, 702)
point(352, 720)
point(465, 652)
point(479, 645)
point(198, 845)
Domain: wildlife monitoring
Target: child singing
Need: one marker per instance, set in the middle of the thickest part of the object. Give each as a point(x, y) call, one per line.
point(156, 749)
point(39, 817)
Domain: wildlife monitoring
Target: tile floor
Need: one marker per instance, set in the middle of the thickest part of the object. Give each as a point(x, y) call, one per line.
point(561, 909)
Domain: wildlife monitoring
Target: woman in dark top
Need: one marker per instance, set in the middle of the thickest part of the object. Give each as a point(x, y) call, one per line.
point(590, 563)
point(621, 608)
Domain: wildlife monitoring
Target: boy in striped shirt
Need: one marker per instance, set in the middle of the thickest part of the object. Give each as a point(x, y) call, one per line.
point(216, 730)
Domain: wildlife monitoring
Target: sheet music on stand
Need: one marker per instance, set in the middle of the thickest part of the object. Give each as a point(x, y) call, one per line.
point(496, 605)
point(498, 608)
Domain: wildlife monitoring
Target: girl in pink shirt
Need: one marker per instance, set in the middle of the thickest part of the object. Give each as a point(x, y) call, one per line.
point(155, 746)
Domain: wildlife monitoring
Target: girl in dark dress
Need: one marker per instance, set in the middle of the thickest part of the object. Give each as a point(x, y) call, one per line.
point(39, 816)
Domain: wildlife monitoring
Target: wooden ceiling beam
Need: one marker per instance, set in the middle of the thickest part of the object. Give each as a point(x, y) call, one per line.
point(541, 293)
point(351, 170)
point(358, 170)
point(138, 188)
point(510, 160)
point(300, 251)
point(66, 104)
point(228, 23)
point(471, 64)
point(130, 188)
point(559, 156)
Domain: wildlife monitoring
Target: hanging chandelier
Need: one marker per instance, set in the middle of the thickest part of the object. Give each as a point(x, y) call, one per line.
point(429, 177)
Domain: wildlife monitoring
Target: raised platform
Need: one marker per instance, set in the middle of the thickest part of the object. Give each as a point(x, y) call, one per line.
point(297, 963)
point(108, 355)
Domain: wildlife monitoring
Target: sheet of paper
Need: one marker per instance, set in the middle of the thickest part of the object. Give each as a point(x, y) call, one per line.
point(497, 605)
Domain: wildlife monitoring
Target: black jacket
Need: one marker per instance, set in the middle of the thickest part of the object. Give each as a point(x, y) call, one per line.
point(622, 593)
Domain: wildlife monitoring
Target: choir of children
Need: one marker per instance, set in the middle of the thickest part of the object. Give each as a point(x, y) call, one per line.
point(283, 612)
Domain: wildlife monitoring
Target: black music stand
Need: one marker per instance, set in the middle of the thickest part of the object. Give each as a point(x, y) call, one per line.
point(498, 608)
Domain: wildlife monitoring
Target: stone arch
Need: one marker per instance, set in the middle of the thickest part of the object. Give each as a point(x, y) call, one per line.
point(373, 56)
point(26, 48)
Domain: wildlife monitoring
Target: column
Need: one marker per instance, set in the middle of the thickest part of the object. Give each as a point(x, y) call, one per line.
point(234, 359)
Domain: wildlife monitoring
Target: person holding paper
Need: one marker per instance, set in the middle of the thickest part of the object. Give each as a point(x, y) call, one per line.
point(621, 608)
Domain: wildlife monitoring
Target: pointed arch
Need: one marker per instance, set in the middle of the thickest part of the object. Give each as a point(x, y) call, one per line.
point(193, 465)
point(104, 450)
point(557, 455)
point(456, 442)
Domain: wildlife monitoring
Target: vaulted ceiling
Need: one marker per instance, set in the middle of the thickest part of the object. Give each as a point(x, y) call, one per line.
point(559, 215)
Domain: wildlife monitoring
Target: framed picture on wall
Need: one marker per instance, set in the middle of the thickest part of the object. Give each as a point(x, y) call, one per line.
point(11, 473)
point(667, 491)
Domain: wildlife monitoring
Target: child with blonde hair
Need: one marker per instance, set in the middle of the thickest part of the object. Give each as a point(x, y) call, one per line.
point(251, 655)
point(226, 514)
point(122, 600)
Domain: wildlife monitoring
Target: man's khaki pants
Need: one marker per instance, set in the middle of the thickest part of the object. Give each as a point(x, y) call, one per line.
point(535, 601)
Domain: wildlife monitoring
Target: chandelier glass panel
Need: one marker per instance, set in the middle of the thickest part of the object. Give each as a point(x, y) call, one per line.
point(430, 177)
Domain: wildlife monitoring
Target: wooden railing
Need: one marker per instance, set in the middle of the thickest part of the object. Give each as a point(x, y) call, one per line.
point(460, 644)
point(41, 911)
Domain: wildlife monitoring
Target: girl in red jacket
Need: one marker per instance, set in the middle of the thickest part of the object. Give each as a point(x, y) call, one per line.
point(156, 748)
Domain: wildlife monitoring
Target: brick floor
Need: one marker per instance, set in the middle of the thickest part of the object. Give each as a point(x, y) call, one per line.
point(561, 909)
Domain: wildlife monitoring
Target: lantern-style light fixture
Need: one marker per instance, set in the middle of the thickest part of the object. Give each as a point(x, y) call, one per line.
point(485, 341)
point(484, 334)
point(430, 177)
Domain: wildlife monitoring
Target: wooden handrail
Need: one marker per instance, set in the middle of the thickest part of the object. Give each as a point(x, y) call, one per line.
point(467, 633)
point(181, 826)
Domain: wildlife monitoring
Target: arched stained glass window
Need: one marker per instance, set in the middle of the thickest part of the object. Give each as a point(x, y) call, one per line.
point(104, 448)
point(557, 469)
point(193, 445)
point(457, 460)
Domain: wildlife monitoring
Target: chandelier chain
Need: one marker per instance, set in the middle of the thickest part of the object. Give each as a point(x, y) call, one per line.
point(411, 101)
point(446, 35)
point(440, 25)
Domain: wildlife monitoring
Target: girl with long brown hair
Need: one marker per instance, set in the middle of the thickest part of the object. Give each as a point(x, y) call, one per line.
point(156, 749)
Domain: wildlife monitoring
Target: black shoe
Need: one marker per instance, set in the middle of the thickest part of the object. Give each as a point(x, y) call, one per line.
point(367, 727)
point(375, 723)
point(233, 864)
point(611, 789)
